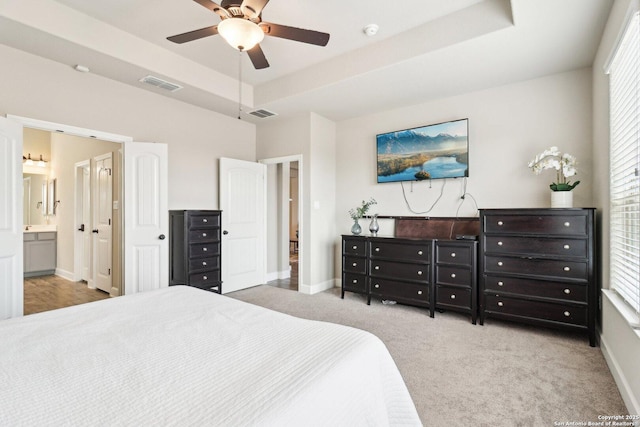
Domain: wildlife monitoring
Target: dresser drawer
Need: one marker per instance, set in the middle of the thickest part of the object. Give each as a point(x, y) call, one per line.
point(539, 267)
point(446, 275)
point(204, 263)
point(419, 252)
point(355, 264)
point(353, 247)
point(575, 315)
point(205, 279)
point(570, 225)
point(453, 254)
point(456, 297)
point(204, 249)
point(203, 220)
point(398, 270)
point(536, 288)
point(401, 290)
point(354, 282)
point(537, 246)
point(204, 235)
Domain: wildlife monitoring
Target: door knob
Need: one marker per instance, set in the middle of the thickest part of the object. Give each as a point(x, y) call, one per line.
point(161, 237)
point(225, 232)
point(95, 231)
point(81, 227)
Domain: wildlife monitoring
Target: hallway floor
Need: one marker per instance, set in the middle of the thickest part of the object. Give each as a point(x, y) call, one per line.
point(292, 282)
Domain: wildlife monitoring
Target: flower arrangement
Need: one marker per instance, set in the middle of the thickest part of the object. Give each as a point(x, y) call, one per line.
point(563, 163)
point(360, 211)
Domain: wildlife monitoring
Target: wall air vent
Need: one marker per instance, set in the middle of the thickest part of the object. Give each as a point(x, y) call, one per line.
point(263, 114)
point(162, 84)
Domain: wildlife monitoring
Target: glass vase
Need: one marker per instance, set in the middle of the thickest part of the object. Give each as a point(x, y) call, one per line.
point(355, 228)
point(374, 227)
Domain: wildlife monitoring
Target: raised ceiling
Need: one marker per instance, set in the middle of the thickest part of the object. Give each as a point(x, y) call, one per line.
point(424, 49)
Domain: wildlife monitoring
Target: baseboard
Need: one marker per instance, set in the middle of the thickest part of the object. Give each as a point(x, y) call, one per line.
point(633, 407)
point(65, 274)
point(278, 275)
point(314, 289)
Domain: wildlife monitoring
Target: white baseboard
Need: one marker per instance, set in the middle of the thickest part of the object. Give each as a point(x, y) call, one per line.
point(633, 407)
point(276, 275)
point(314, 289)
point(65, 274)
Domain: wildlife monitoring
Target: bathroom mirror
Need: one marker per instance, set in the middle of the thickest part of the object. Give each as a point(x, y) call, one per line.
point(34, 191)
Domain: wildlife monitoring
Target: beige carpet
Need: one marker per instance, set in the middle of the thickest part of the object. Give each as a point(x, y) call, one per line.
point(459, 374)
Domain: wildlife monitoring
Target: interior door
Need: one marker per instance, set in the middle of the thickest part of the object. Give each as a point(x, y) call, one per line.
point(11, 235)
point(146, 218)
point(102, 222)
point(86, 224)
point(243, 204)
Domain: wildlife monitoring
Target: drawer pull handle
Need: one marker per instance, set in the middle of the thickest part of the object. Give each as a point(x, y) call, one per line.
point(567, 269)
point(204, 234)
point(355, 280)
point(377, 249)
point(453, 254)
point(355, 247)
point(204, 277)
point(205, 249)
point(567, 224)
point(205, 220)
point(500, 283)
point(500, 243)
point(204, 262)
point(500, 223)
point(453, 275)
point(567, 291)
point(567, 247)
point(500, 303)
point(567, 314)
point(419, 273)
point(419, 292)
point(500, 263)
point(376, 286)
point(377, 267)
point(453, 296)
point(419, 252)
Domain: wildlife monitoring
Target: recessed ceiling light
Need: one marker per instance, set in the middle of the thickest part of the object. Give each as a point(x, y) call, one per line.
point(370, 30)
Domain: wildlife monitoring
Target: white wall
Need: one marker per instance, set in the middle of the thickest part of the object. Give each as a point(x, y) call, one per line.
point(508, 126)
point(42, 89)
point(620, 344)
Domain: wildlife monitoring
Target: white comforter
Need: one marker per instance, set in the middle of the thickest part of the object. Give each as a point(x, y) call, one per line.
point(185, 357)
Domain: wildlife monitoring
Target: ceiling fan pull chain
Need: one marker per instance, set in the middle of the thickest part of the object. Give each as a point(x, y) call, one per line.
point(239, 83)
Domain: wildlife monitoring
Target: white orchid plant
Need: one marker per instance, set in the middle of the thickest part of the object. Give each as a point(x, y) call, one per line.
point(563, 163)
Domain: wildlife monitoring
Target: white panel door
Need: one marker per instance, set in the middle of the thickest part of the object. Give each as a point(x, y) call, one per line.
point(243, 205)
point(146, 256)
point(86, 225)
point(11, 289)
point(103, 229)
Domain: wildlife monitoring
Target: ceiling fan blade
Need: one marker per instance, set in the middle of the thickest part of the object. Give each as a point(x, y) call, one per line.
point(253, 8)
point(296, 34)
point(214, 7)
point(194, 35)
point(257, 57)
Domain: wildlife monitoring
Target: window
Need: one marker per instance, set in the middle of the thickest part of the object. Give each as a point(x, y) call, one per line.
point(625, 166)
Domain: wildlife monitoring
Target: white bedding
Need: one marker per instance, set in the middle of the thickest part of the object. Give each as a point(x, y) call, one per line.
point(185, 357)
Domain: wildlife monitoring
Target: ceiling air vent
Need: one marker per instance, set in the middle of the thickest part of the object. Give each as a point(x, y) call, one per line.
point(263, 114)
point(162, 84)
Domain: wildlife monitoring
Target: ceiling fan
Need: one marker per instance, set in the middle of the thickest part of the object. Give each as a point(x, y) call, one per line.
point(242, 27)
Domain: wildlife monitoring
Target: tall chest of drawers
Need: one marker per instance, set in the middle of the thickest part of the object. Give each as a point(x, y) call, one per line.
point(195, 249)
point(455, 277)
point(537, 266)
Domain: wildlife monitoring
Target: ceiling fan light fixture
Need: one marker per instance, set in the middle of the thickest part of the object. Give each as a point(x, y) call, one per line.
point(240, 33)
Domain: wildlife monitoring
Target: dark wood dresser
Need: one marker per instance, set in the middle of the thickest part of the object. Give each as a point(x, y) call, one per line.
point(537, 266)
point(195, 249)
point(455, 279)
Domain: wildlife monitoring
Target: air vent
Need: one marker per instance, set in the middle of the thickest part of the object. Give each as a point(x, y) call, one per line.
point(263, 114)
point(162, 84)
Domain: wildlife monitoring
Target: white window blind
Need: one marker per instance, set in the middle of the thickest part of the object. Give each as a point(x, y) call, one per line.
point(625, 166)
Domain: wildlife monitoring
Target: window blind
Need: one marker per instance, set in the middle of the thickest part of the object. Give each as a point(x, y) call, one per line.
point(625, 166)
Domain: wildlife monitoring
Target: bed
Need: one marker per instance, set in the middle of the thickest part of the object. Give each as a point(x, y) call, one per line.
point(186, 357)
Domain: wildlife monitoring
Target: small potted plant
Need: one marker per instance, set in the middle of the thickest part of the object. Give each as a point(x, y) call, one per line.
point(359, 212)
point(565, 166)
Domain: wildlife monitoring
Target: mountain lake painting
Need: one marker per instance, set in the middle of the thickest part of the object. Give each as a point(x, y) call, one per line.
point(427, 152)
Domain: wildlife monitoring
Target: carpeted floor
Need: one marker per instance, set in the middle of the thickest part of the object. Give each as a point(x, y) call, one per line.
point(459, 374)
